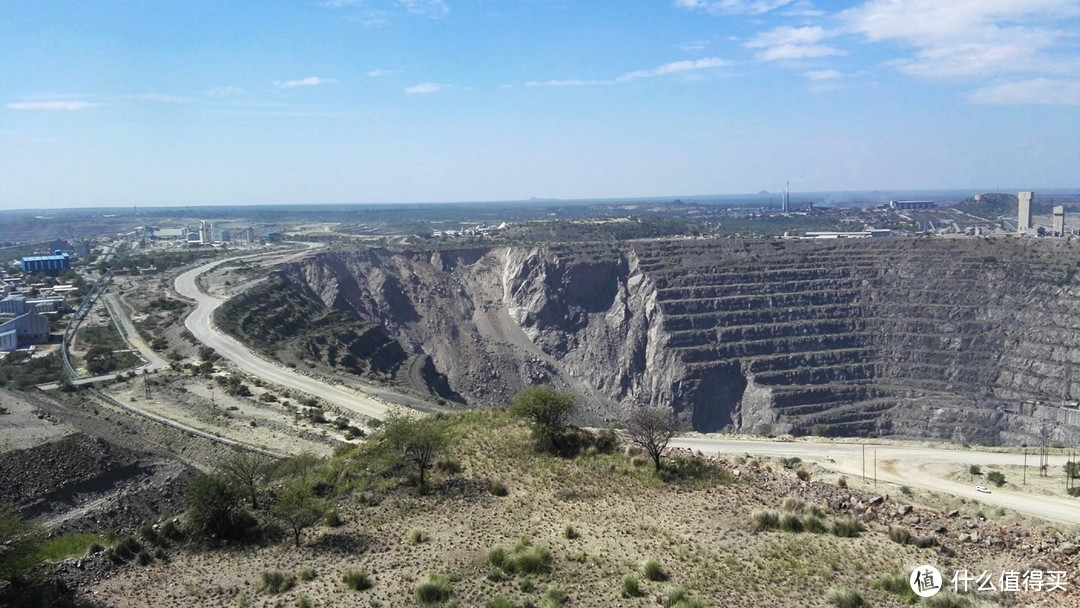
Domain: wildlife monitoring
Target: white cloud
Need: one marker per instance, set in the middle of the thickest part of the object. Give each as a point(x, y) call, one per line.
point(1040, 91)
point(378, 73)
point(732, 7)
point(693, 47)
point(311, 81)
point(961, 38)
point(159, 98)
point(793, 43)
point(668, 68)
point(432, 9)
point(426, 87)
point(227, 91)
point(340, 3)
point(821, 75)
point(52, 105)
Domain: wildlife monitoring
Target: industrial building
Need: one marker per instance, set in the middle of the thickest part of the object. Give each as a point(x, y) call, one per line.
point(49, 264)
point(24, 330)
point(1059, 220)
point(1023, 222)
point(906, 205)
point(18, 304)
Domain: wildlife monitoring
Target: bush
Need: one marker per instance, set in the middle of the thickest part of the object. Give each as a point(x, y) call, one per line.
point(496, 488)
point(499, 602)
point(791, 522)
point(996, 477)
point(1074, 491)
point(846, 598)
point(570, 533)
point(653, 571)
point(948, 600)
point(631, 587)
point(554, 597)
point(416, 537)
point(448, 466)
point(899, 535)
point(793, 504)
point(975, 470)
point(846, 527)
point(897, 583)
point(790, 463)
point(304, 602)
point(814, 524)
point(433, 590)
point(803, 475)
point(524, 559)
point(306, 575)
point(333, 518)
point(765, 520)
point(842, 482)
point(357, 580)
point(274, 582)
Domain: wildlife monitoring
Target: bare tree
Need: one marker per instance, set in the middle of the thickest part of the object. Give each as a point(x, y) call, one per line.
point(651, 430)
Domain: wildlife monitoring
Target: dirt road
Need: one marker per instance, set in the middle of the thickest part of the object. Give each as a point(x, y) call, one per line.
point(913, 466)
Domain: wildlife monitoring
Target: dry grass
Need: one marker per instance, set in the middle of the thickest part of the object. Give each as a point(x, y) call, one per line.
point(513, 550)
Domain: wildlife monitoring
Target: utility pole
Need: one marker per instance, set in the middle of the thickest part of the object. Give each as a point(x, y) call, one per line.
point(864, 463)
point(875, 467)
point(1025, 466)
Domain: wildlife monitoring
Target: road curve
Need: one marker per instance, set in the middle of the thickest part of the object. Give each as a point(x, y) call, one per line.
point(200, 323)
point(905, 466)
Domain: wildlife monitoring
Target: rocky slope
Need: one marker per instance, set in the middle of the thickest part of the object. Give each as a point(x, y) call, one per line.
point(965, 339)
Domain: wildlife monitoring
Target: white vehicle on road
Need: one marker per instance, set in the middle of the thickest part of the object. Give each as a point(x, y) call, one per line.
point(983, 489)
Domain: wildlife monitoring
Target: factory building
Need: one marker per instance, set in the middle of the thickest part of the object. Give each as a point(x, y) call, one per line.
point(24, 330)
point(1023, 222)
point(49, 264)
point(18, 304)
point(906, 205)
point(1059, 221)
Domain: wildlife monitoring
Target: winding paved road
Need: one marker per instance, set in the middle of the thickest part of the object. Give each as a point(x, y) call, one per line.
point(200, 323)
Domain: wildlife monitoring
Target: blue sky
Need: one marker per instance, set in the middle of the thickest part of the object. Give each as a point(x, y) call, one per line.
point(168, 102)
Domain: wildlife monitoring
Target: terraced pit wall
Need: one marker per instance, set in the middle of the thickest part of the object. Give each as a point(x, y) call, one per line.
point(964, 339)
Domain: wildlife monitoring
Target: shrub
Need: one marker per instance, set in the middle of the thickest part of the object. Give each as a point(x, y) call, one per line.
point(433, 590)
point(496, 487)
point(524, 559)
point(846, 598)
point(791, 522)
point(304, 602)
point(554, 597)
point(1074, 491)
point(948, 600)
point(274, 582)
point(897, 583)
point(307, 574)
point(846, 527)
point(924, 542)
point(653, 571)
point(814, 524)
point(765, 520)
point(803, 475)
point(975, 470)
point(499, 602)
point(899, 535)
point(793, 504)
point(449, 466)
point(357, 580)
point(790, 463)
point(570, 533)
point(416, 537)
point(996, 477)
point(631, 587)
point(842, 482)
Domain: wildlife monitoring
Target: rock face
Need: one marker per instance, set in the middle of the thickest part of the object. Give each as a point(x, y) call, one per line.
point(966, 339)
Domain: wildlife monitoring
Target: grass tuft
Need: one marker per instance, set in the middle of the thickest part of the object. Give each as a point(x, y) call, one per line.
point(653, 571)
point(846, 598)
point(434, 589)
point(357, 580)
point(846, 527)
point(631, 587)
point(273, 582)
point(765, 520)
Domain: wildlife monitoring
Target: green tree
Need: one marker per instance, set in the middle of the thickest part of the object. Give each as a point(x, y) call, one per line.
point(651, 430)
point(246, 471)
point(547, 411)
point(418, 441)
point(214, 509)
point(20, 547)
point(298, 507)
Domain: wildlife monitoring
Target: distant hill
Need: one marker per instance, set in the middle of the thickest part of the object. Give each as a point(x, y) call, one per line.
point(992, 205)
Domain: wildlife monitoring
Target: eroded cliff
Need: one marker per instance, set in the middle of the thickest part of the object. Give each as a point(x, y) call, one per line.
point(965, 339)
